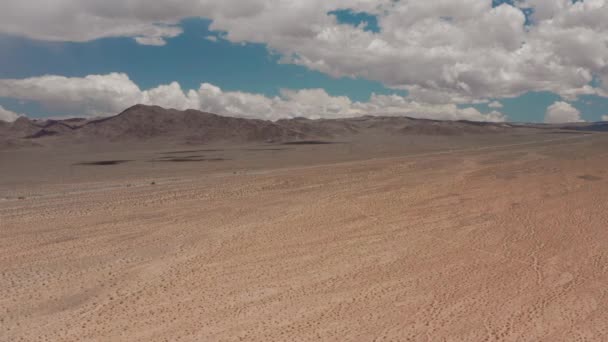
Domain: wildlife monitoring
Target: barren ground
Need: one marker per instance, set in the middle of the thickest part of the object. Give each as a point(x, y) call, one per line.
point(498, 238)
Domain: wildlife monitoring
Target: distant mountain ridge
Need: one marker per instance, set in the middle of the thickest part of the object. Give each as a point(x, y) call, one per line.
point(147, 122)
point(143, 122)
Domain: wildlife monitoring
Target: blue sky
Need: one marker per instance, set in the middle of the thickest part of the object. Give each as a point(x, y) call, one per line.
point(189, 59)
point(236, 65)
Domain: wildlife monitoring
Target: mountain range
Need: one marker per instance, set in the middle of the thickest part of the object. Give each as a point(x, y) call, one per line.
point(144, 123)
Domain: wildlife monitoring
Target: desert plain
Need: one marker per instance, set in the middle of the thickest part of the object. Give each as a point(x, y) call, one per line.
point(493, 237)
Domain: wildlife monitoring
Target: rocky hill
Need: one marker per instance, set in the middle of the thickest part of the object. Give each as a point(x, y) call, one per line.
point(144, 123)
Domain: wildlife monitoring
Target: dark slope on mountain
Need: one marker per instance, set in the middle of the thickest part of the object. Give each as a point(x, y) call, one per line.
point(22, 127)
point(12, 134)
point(393, 125)
point(147, 122)
point(53, 128)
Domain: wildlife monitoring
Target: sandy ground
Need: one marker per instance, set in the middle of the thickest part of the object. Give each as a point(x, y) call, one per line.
point(502, 240)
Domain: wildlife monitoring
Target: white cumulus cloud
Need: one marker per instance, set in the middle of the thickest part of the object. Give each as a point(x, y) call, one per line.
point(495, 104)
point(441, 51)
point(604, 117)
point(7, 115)
point(109, 94)
point(89, 95)
point(562, 112)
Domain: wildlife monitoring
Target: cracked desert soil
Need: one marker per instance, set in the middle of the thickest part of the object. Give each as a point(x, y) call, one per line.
point(493, 244)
